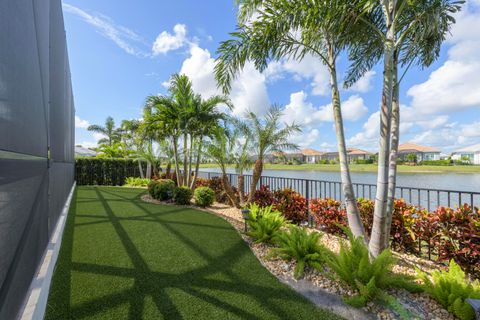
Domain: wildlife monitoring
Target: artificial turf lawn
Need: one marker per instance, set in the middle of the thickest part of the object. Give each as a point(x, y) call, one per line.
point(122, 258)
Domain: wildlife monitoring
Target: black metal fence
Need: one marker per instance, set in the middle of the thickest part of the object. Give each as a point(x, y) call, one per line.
point(310, 189)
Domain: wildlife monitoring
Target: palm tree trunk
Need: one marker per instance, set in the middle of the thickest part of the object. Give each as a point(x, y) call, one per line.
point(197, 162)
point(257, 173)
point(241, 187)
point(175, 155)
point(392, 169)
point(149, 170)
point(353, 215)
point(190, 156)
point(229, 191)
point(378, 237)
point(185, 163)
point(140, 169)
point(168, 170)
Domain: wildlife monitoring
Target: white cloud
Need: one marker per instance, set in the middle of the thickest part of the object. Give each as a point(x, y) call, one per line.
point(303, 112)
point(454, 85)
point(305, 139)
point(249, 91)
point(310, 68)
point(120, 35)
point(369, 135)
point(166, 42)
point(92, 143)
point(364, 84)
point(80, 123)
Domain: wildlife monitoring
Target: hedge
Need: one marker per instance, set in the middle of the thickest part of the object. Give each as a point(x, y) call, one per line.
point(105, 172)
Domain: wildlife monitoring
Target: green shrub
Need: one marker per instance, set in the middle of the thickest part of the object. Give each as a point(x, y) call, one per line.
point(436, 162)
point(151, 188)
point(204, 196)
point(136, 182)
point(264, 223)
point(368, 276)
point(163, 189)
point(450, 289)
point(182, 195)
point(106, 172)
point(298, 244)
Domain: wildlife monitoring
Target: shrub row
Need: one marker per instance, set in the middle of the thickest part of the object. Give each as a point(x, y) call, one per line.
point(106, 172)
point(166, 190)
point(446, 233)
point(442, 235)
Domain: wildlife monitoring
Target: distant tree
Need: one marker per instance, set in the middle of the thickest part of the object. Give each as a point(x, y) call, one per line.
point(411, 157)
point(111, 134)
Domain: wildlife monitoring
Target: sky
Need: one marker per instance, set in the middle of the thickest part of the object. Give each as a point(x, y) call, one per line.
point(123, 51)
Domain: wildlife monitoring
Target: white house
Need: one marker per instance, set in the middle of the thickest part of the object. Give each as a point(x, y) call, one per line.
point(472, 153)
point(311, 155)
point(422, 153)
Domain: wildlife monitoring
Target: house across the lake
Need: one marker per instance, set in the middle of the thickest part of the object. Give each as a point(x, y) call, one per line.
point(353, 154)
point(422, 153)
point(311, 155)
point(471, 153)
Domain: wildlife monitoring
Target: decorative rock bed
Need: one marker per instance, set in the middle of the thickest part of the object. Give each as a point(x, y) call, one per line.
point(315, 283)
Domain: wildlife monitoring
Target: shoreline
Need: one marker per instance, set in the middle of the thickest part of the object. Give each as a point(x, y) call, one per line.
point(365, 168)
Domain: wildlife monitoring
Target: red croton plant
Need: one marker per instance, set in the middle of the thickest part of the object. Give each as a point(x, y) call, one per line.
point(442, 235)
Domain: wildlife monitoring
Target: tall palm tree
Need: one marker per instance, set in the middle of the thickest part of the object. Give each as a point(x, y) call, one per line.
point(403, 33)
point(206, 117)
point(267, 135)
point(219, 149)
point(291, 30)
point(169, 117)
point(111, 134)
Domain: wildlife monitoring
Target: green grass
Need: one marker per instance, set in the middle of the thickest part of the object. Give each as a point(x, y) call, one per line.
point(122, 258)
point(366, 168)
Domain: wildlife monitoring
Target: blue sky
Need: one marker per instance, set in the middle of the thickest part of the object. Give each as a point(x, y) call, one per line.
point(122, 51)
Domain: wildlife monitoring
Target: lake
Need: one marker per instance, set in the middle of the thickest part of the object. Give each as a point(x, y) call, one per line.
point(430, 180)
point(460, 182)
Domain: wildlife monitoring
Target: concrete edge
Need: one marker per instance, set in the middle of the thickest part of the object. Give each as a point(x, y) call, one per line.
point(36, 298)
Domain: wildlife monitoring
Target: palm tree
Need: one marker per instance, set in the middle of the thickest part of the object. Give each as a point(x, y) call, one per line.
point(168, 155)
point(219, 149)
point(168, 116)
point(242, 162)
point(267, 135)
point(291, 30)
point(205, 118)
point(403, 33)
point(111, 134)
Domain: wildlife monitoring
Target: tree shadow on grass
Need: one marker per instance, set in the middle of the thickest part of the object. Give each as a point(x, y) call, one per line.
point(196, 283)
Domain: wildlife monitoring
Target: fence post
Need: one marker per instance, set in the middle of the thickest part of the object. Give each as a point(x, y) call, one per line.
point(307, 198)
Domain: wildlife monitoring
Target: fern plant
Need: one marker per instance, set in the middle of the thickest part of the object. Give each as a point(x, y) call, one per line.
point(264, 223)
point(298, 244)
point(368, 276)
point(451, 289)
